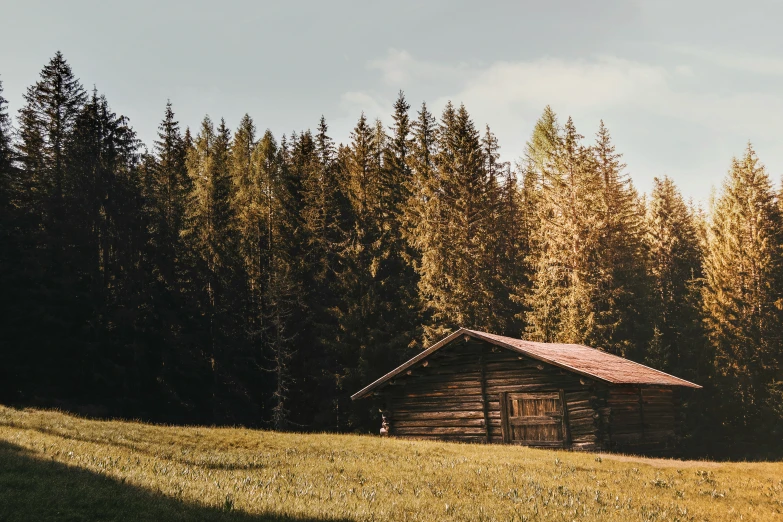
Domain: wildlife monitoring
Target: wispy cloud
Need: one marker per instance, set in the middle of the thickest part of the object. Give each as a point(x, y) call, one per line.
point(399, 67)
point(586, 87)
point(668, 115)
point(747, 62)
point(371, 103)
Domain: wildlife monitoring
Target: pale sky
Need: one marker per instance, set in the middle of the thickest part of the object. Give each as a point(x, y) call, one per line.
point(681, 85)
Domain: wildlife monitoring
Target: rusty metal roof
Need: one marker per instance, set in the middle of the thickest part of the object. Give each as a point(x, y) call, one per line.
point(577, 358)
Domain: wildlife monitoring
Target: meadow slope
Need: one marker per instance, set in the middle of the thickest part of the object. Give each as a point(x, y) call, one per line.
point(55, 466)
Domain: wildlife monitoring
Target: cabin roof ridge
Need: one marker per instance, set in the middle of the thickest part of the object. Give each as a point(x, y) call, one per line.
point(577, 358)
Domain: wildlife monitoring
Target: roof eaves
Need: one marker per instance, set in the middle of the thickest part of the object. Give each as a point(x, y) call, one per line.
point(490, 339)
point(411, 362)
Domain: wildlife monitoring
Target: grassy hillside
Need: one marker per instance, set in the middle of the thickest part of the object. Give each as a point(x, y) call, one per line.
point(59, 467)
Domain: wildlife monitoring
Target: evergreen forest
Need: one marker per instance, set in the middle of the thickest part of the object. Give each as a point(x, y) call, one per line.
point(224, 275)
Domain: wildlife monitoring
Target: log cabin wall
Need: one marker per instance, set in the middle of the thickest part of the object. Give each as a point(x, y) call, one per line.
point(643, 419)
point(442, 400)
point(457, 396)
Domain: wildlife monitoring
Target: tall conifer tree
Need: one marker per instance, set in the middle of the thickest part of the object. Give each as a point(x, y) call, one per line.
point(675, 267)
point(167, 193)
point(743, 290)
point(536, 166)
point(457, 281)
point(46, 123)
point(400, 286)
point(567, 234)
point(210, 232)
point(11, 265)
point(423, 180)
point(359, 312)
point(322, 221)
point(620, 301)
point(6, 154)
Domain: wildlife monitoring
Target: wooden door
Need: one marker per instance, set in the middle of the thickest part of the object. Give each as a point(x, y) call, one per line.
point(533, 419)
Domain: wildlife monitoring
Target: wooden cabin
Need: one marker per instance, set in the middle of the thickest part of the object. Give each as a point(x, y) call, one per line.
point(478, 387)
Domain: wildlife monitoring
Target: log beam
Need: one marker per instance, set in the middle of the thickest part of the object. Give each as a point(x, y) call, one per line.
point(484, 401)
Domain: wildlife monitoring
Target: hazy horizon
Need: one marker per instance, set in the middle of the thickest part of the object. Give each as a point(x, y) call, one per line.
point(682, 89)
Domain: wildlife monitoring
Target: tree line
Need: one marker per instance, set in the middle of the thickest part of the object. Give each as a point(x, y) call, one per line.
point(231, 277)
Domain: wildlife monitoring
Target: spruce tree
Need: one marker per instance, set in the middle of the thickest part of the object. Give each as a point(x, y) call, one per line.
point(211, 238)
point(107, 234)
point(743, 290)
point(359, 313)
point(588, 265)
point(675, 268)
point(46, 123)
point(11, 266)
point(400, 286)
point(320, 219)
point(568, 232)
point(423, 181)
point(7, 177)
point(507, 242)
point(6, 154)
point(264, 225)
point(167, 191)
point(537, 164)
point(457, 235)
point(544, 142)
point(620, 300)
point(534, 168)
point(251, 164)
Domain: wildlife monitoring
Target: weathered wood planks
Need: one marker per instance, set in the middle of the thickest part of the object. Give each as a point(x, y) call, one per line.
point(459, 395)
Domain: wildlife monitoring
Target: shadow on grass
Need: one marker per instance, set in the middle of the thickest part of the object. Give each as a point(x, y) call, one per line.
point(35, 489)
point(130, 446)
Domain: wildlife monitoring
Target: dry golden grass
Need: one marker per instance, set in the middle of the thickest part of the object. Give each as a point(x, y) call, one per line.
point(55, 466)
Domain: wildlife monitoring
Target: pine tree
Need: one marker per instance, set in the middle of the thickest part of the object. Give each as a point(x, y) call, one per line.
point(320, 220)
point(675, 267)
point(742, 292)
point(211, 237)
point(359, 313)
point(46, 122)
point(6, 154)
point(167, 191)
point(400, 281)
point(456, 236)
point(11, 266)
point(620, 300)
point(423, 182)
point(535, 167)
point(568, 232)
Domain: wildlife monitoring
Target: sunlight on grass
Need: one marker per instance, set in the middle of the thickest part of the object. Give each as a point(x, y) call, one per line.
point(349, 477)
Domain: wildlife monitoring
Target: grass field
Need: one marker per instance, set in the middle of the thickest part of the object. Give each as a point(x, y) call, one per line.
point(55, 466)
